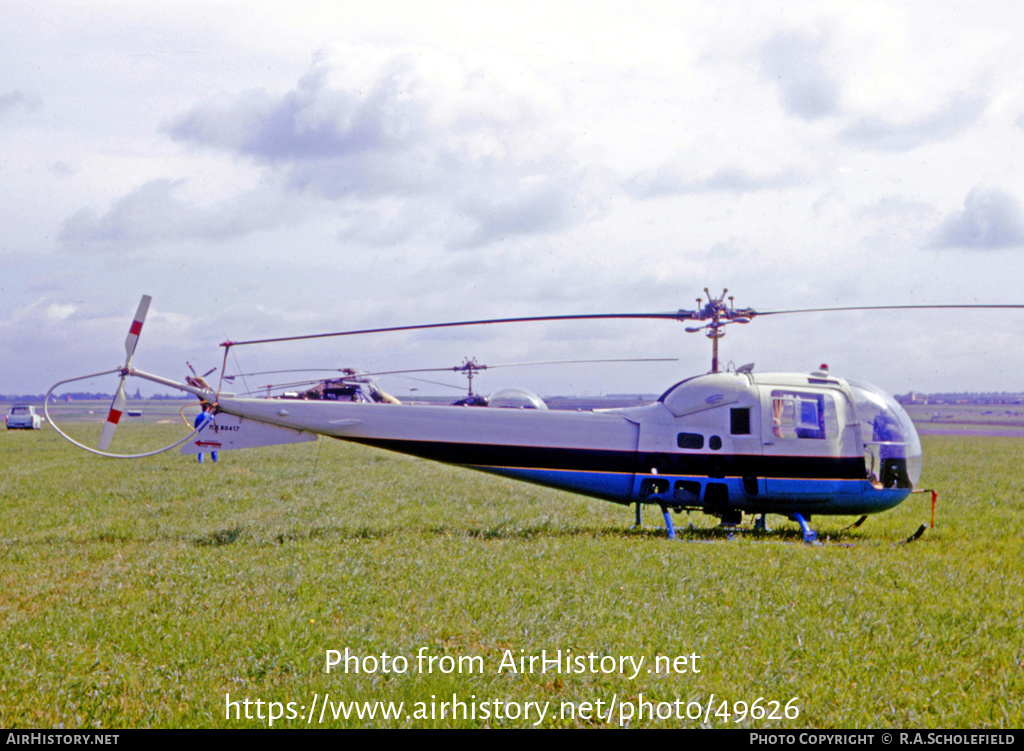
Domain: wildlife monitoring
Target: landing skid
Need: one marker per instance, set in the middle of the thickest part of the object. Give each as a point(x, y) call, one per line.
point(855, 524)
point(669, 526)
point(810, 536)
point(920, 530)
point(916, 535)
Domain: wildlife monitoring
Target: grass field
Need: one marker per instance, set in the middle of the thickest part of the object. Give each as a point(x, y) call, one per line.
point(151, 593)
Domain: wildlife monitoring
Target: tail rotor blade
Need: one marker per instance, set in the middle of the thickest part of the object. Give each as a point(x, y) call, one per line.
point(116, 410)
point(133, 333)
point(120, 400)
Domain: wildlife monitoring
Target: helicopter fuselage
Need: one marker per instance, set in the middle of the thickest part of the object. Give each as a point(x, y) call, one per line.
point(724, 443)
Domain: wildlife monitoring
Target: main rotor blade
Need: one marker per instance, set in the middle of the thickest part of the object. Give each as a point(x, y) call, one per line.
point(291, 370)
point(889, 307)
point(682, 315)
point(711, 311)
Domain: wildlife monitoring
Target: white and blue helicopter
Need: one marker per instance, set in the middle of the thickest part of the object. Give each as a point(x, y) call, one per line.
point(726, 443)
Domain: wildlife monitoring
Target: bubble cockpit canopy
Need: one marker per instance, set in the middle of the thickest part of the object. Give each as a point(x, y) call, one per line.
point(892, 448)
point(516, 398)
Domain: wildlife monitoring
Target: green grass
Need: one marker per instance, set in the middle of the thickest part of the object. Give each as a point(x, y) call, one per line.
point(141, 593)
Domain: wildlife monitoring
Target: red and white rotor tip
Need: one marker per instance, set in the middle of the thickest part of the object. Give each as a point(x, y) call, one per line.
point(136, 328)
point(120, 400)
point(114, 417)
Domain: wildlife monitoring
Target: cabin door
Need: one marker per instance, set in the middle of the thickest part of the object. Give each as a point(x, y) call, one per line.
point(801, 431)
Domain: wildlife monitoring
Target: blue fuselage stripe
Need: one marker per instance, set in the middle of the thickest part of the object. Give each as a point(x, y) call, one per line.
point(789, 484)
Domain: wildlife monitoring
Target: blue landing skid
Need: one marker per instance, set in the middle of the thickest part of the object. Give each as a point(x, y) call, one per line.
point(670, 528)
point(810, 536)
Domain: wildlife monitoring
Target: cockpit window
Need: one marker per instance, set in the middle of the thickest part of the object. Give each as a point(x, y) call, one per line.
point(803, 415)
point(885, 419)
point(888, 436)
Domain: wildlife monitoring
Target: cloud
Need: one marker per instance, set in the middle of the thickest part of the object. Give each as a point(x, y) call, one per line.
point(422, 133)
point(59, 311)
point(62, 169)
point(672, 179)
point(881, 134)
point(13, 100)
point(152, 213)
point(794, 62)
point(991, 219)
point(306, 123)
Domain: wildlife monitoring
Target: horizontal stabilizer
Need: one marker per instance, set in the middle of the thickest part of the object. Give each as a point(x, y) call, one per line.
point(227, 432)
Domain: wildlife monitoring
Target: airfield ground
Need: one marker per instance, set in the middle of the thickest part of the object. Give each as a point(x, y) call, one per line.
point(1005, 420)
point(154, 593)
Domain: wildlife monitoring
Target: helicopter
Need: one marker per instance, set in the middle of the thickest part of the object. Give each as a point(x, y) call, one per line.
point(726, 442)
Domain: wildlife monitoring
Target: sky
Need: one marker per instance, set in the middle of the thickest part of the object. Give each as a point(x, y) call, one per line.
point(269, 169)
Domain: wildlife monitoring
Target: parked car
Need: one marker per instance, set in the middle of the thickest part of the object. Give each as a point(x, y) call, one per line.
point(24, 416)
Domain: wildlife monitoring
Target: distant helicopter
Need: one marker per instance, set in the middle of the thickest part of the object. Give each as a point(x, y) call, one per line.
point(726, 443)
point(359, 386)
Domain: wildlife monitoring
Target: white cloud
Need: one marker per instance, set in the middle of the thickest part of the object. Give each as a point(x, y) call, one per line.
point(676, 179)
point(418, 130)
point(961, 110)
point(12, 101)
point(794, 61)
point(59, 311)
point(152, 213)
point(991, 219)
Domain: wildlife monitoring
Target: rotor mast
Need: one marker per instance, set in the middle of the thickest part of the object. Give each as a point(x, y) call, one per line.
point(718, 315)
point(469, 367)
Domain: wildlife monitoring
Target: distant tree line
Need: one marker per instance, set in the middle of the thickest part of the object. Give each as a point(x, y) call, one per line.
point(79, 396)
point(965, 397)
